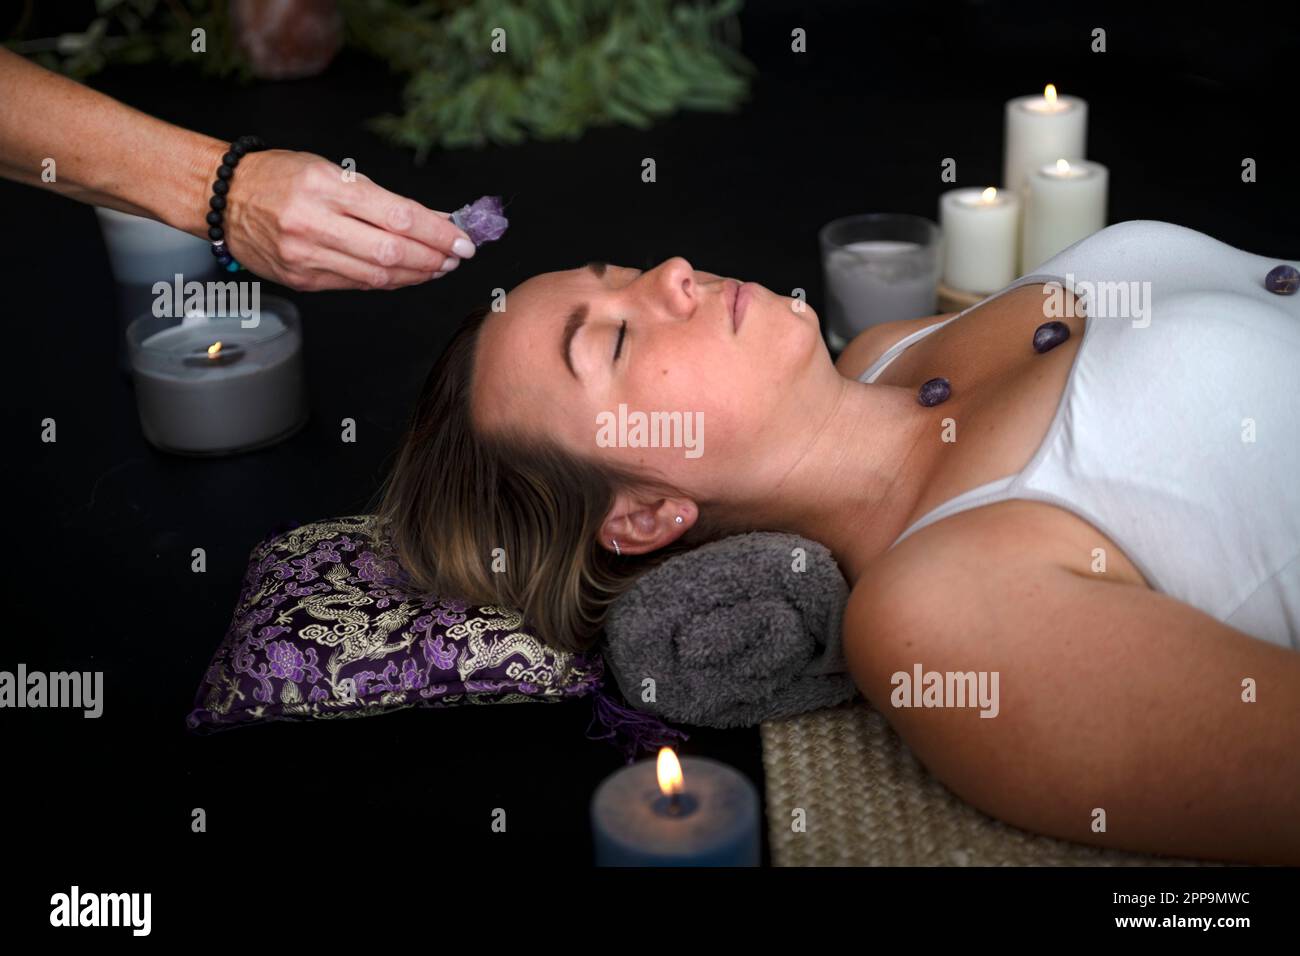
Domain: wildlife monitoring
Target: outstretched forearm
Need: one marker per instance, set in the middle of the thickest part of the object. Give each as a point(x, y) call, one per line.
point(292, 216)
point(103, 151)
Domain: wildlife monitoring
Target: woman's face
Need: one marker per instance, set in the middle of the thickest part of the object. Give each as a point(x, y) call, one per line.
point(571, 347)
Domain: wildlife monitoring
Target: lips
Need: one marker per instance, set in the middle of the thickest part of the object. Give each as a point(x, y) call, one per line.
point(730, 292)
point(743, 295)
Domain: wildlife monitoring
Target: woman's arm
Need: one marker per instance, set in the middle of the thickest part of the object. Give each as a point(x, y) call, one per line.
point(1112, 698)
point(291, 216)
point(104, 152)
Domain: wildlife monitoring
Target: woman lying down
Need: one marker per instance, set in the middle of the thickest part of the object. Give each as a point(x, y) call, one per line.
point(1087, 483)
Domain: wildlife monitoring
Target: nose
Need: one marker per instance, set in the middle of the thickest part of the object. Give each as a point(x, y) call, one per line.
point(681, 292)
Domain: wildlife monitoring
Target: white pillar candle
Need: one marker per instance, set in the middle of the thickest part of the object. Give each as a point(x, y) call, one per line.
point(209, 386)
point(1038, 130)
point(981, 229)
point(1064, 202)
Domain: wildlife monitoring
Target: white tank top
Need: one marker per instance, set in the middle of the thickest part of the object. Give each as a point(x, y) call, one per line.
point(1178, 432)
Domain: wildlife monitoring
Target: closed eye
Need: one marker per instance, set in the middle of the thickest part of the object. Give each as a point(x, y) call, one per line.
point(622, 333)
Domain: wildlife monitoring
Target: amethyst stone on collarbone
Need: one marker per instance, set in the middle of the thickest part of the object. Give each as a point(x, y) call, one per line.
point(1283, 279)
point(1049, 335)
point(482, 219)
point(934, 391)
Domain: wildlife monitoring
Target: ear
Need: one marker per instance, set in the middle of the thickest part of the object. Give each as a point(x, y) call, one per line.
point(644, 523)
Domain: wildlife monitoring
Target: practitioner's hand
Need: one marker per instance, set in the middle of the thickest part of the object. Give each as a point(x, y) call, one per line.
point(293, 217)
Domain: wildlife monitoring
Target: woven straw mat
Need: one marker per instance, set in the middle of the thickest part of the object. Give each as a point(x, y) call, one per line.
point(869, 802)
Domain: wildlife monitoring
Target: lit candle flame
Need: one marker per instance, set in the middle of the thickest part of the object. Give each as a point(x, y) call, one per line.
point(989, 195)
point(1049, 94)
point(670, 772)
point(1062, 166)
point(213, 349)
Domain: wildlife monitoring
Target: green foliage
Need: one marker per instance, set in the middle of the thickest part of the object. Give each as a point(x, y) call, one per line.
point(144, 31)
point(566, 66)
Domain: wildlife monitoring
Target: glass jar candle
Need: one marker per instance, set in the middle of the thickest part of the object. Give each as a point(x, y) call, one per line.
point(878, 267)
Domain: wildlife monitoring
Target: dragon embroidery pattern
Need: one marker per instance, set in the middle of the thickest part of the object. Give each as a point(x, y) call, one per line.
point(324, 629)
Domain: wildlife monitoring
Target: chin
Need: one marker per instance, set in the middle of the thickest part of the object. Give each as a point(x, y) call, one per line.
point(799, 331)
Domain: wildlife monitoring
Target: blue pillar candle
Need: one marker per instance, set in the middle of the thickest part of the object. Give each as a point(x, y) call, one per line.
point(696, 812)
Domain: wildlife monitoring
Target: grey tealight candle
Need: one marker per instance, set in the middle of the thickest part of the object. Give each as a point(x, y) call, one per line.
point(205, 385)
point(696, 812)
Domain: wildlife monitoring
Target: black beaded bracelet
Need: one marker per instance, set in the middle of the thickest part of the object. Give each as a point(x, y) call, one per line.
point(238, 149)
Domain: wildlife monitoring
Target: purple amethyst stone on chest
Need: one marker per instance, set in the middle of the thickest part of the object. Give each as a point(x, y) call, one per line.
point(1282, 280)
point(482, 220)
point(1049, 335)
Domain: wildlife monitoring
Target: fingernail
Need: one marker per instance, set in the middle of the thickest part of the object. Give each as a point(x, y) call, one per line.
point(438, 275)
point(449, 264)
point(463, 248)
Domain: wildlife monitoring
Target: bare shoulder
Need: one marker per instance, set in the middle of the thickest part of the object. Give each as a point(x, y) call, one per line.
point(982, 560)
point(998, 579)
point(923, 585)
point(869, 345)
point(1106, 694)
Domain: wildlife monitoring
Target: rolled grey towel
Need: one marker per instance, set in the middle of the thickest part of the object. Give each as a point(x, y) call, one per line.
point(734, 632)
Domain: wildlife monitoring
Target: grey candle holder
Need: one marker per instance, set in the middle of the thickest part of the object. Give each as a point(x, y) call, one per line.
point(250, 393)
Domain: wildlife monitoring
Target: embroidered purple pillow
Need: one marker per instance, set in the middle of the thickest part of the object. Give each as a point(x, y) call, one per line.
point(324, 628)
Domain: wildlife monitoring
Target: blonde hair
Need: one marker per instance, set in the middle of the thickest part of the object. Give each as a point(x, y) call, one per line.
point(456, 495)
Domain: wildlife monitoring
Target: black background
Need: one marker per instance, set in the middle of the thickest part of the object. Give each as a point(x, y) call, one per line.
point(102, 525)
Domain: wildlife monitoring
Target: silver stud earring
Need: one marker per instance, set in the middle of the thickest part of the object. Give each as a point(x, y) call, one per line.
point(678, 519)
point(617, 549)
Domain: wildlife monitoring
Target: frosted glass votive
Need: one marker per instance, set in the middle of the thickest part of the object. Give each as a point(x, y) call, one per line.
point(879, 267)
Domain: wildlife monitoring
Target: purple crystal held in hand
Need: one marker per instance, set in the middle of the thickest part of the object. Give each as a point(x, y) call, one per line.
point(1049, 335)
point(934, 391)
point(1284, 280)
point(482, 219)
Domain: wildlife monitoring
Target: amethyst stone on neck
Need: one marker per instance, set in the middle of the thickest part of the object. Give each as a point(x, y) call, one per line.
point(933, 392)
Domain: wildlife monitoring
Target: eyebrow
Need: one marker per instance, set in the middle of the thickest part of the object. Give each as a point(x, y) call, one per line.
point(576, 319)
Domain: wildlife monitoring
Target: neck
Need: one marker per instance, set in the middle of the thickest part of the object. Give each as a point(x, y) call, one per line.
point(855, 480)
